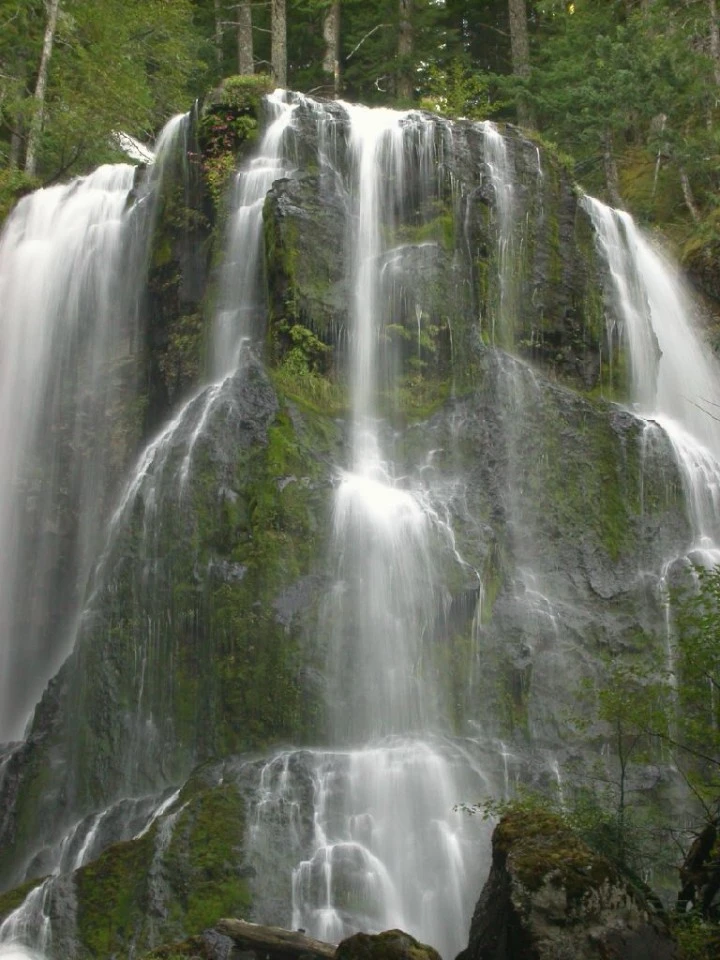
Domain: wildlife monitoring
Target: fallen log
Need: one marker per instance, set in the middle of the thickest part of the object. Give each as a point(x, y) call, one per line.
point(274, 943)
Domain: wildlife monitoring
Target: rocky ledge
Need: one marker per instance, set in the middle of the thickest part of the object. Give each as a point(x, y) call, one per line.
point(235, 939)
point(548, 897)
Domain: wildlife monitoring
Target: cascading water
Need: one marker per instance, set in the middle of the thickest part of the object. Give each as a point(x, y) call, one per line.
point(241, 307)
point(384, 828)
point(675, 382)
point(503, 181)
point(159, 485)
point(72, 262)
point(67, 338)
point(385, 848)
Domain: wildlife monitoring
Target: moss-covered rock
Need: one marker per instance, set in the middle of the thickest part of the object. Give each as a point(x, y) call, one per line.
point(12, 899)
point(549, 896)
point(230, 122)
point(170, 882)
point(389, 945)
point(179, 257)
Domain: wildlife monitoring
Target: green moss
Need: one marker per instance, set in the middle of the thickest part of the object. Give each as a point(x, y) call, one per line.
point(569, 496)
point(112, 894)
point(243, 92)
point(389, 945)
point(559, 160)
point(416, 397)
point(650, 189)
point(202, 871)
point(230, 120)
point(438, 227)
point(14, 184)
point(542, 847)
point(271, 531)
point(180, 362)
point(312, 391)
point(514, 700)
point(493, 577)
point(204, 860)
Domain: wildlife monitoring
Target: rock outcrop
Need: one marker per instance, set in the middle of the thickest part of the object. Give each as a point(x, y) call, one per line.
point(549, 897)
point(235, 939)
point(389, 945)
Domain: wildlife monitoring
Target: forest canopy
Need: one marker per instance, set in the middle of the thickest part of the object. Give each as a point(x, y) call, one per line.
point(627, 88)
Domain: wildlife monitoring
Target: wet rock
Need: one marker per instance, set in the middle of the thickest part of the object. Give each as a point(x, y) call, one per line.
point(549, 897)
point(390, 945)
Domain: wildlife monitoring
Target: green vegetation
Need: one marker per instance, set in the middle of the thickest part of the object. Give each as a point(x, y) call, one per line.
point(628, 89)
point(230, 121)
point(142, 891)
point(112, 893)
point(204, 859)
point(14, 184)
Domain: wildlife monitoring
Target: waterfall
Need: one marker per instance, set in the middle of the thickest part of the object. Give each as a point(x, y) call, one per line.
point(502, 178)
point(386, 847)
point(359, 830)
point(385, 829)
point(675, 382)
point(159, 481)
point(29, 924)
point(68, 335)
point(241, 305)
point(72, 262)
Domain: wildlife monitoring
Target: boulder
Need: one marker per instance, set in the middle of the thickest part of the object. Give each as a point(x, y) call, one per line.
point(549, 897)
point(389, 945)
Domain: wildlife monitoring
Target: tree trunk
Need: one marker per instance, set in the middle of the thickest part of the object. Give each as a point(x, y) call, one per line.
point(274, 943)
point(15, 148)
point(278, 40)
point(331, 36)
point(700, 872)
point(218, 33)
point(612, 180)
point(520, 53)
point(404, 84)
point(246, 59)
point(714, 39)
point(38, 115)
point(688, 195)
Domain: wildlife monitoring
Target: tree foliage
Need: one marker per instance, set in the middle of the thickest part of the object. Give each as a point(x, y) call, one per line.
point(629, 88)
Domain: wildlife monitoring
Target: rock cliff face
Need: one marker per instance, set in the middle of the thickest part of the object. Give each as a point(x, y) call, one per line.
point(548, 897)
point(201, 646)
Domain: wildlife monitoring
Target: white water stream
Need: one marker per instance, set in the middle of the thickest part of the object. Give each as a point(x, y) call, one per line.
point(675, 378)
point(387, 847)
point(502, 177)
point(62, 325)
point(72, 265)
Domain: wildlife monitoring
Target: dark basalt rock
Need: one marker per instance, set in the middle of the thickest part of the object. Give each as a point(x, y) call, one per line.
point(390, 945)
point(549, 897)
